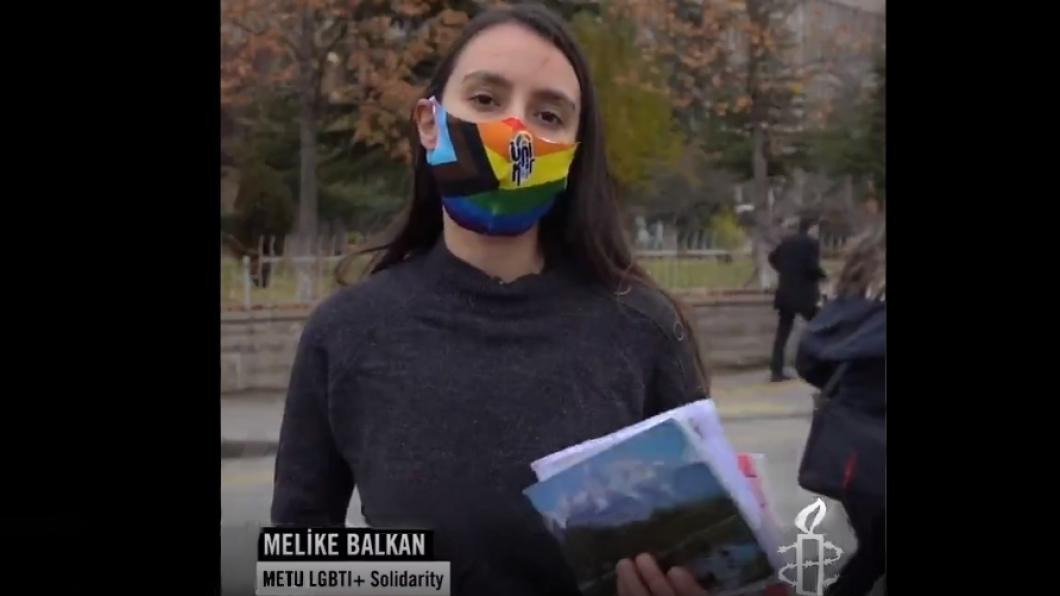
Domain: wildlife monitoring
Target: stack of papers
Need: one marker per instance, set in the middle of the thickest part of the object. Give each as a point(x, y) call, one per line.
point(671, 486)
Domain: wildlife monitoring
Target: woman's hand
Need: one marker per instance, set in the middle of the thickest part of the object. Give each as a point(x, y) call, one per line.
point(642, 577)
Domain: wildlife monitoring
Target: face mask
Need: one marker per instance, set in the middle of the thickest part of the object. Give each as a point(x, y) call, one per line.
point(496, 178)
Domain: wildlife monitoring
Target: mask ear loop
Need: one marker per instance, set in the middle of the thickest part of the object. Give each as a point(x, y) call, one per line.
point(434, 112)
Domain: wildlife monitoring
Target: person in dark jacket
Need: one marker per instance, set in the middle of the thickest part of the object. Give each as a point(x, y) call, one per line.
point(797, 262)
point(853, 329)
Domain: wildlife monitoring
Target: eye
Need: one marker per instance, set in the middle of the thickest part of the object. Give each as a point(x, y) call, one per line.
point(550, 118)
point(484, 100)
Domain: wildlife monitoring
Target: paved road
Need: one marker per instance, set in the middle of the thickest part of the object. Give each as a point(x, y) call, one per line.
point(246, 494)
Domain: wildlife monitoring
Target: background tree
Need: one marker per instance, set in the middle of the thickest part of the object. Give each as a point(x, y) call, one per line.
point(638, 121)
point(369, 54)
point(285, 43)
point(711, 108)
point(852, 142)
point(388, 63)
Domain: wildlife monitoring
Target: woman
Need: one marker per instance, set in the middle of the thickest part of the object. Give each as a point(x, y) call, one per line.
point(503, 320)
point(853, 328)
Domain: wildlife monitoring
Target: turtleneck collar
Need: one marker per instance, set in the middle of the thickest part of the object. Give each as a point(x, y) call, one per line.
point(452, 273)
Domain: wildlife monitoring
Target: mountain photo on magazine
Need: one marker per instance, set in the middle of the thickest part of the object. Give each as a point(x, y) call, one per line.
point(650, 493)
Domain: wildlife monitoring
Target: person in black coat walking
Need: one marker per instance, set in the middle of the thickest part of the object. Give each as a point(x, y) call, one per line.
point(798, 263)
point(853, 329)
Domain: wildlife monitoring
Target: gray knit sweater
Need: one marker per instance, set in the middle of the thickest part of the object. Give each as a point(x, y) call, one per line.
point(432, 386)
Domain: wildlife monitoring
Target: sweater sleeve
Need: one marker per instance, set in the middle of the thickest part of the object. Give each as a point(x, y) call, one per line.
point(313, 482)
point(676, 380)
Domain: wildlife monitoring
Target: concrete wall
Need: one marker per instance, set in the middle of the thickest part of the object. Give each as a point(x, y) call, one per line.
point(736, 332)
point(257, 348)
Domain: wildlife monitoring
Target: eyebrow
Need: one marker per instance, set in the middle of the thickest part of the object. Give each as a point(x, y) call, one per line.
point(492, 78)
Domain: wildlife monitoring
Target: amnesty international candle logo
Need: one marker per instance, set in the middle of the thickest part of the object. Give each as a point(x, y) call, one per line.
point(809, 552)
point(350, 562)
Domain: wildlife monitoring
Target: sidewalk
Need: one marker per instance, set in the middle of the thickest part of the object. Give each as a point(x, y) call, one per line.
point(751, 395)
point(250, 423)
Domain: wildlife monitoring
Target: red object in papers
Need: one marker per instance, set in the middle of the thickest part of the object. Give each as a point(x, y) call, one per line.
point(749, 468)
point(777, 590)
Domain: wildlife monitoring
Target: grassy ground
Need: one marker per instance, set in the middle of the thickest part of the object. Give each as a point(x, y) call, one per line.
point(671, 273)
point(684, 274)
point(711, 274)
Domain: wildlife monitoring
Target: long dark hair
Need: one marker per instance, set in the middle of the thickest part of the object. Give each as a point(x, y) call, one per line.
point(585, 225)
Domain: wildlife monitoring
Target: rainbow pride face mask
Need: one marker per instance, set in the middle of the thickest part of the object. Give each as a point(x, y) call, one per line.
point(496, 178)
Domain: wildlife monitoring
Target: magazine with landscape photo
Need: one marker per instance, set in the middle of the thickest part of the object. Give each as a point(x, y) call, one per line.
point(653, 489)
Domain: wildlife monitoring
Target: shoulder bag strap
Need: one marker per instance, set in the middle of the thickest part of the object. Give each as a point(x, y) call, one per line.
point(829, 389)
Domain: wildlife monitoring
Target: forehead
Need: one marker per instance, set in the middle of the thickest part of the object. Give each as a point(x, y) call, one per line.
point(521, 56)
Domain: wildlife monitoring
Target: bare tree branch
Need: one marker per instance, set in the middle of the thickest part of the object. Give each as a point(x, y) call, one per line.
point(286, 39)
point(792, 6)
point(343, 25)
point(247, 28)
point(292, 44)
point(322, 58)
